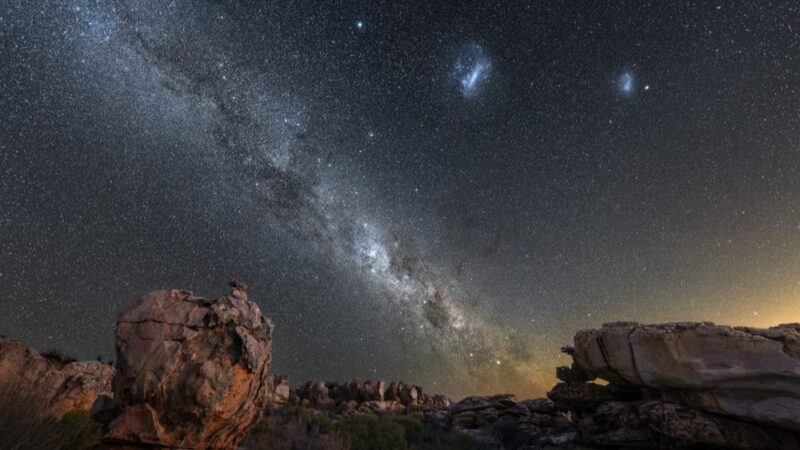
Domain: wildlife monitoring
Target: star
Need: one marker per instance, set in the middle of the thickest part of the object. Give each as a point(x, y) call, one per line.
point(360, 25)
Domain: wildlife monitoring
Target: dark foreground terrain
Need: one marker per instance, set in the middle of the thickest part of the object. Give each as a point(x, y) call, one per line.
point(192, 373)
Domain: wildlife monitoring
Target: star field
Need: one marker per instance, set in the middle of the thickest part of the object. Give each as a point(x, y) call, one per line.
point(438, 193)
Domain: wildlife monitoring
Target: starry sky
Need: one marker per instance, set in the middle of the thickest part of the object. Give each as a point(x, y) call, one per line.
point(435, 192)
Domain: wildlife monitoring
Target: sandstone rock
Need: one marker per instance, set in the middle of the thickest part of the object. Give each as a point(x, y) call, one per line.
point(191, 372)
point(279, 389)
point(406, 394)
point(372, 390)
point(318, 393)
point(749, 373)
point(440, 401)
point(410, 395)
point(578, 395)
point(680, 427)
point(540, 405)
point(348, 407)
point(374, 406)
point(58, 387)
point(83, 383)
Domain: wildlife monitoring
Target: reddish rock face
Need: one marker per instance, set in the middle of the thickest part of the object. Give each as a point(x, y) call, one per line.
point(191, 372)
point(58, 387)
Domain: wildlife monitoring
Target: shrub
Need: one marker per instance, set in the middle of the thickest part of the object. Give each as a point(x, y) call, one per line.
point(58, 356)
point(294, 429)
point(298, 428)
point(371, 432)
point(79, 431)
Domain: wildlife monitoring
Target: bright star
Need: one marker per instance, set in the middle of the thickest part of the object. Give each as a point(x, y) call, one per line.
point(360, 25)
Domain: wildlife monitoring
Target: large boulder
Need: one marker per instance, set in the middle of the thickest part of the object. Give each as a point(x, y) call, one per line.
point(53, 386)
point(748, 373)
point(191, 372)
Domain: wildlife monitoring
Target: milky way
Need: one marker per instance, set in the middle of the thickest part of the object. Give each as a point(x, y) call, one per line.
point(436, 193)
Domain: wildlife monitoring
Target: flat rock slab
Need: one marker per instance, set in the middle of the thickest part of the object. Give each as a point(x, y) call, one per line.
point(749, 373)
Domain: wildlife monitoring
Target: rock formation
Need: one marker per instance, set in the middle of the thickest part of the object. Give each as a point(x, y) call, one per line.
point(501, 421)
point(191, 372)
point(747, 373)
point(363, 396)
point(279, 390)
point(684, 385)
point(56, 386)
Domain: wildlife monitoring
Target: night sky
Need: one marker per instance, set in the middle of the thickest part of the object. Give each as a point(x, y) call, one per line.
point(438, 192)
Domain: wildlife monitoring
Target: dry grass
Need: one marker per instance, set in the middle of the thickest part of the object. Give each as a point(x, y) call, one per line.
point(24, 427)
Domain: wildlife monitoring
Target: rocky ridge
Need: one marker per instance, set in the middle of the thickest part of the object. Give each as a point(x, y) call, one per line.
point(668, 386)
point(56, 386)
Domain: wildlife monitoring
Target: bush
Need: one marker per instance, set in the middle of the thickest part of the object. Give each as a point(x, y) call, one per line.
point(80, 432)
point(298, 428)
point(22, 427)
point(58, 356)
point(370, 432)
point(294, 429)
point(400, 432)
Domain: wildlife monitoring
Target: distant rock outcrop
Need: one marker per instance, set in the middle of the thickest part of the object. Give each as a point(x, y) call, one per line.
point(357, 396)
point(56, 386)
point(191, 372)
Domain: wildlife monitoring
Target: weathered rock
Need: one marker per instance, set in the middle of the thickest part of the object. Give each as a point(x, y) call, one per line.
point(372, 390)
point(749, 373)
point(318, 393)
point(370, 396)
point(677, 426)
point(578, 395)
point(58, 386)
point(440, 401)
point(404, 393)
point(540, 405)
point(279, 389)
point(83, 383)
point(191, 372)
point(503, 422)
